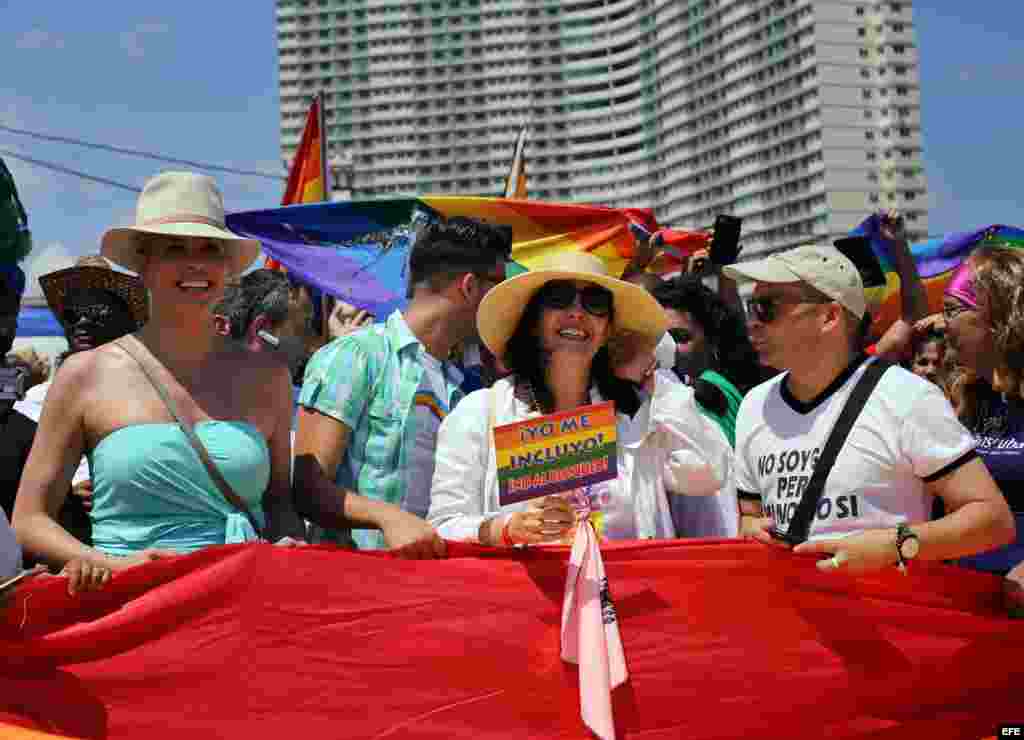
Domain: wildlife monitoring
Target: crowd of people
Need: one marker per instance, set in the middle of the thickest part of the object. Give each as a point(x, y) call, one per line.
point(200, 403)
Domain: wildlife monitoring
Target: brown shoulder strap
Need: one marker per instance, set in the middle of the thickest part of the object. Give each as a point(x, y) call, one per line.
point(225, 488)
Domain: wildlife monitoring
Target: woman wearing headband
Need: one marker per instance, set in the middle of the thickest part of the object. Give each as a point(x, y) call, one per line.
point(152, 493)
point(984, 311)
point(552, 327)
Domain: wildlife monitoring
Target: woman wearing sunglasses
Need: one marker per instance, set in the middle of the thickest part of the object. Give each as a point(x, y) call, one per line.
point(574, 336)
point(713, 352)
point(982, 308)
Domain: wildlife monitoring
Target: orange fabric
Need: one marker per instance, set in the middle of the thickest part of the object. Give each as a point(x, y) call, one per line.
point(20, 732)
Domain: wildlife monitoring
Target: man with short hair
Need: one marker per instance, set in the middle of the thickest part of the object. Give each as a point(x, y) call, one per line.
point(266, 311)
point(94, 304)
point(372, 400)
point(905, 447)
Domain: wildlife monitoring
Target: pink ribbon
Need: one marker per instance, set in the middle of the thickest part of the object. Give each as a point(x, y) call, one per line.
point(590, 632)
point(961, 285)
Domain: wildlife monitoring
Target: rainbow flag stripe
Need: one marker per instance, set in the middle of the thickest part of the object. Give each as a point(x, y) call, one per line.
point(357, 251)
point(937, 260)
point(429, 401)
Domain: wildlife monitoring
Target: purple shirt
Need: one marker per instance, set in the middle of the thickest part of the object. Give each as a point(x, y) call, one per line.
point(999, 430)
point(1000, 434)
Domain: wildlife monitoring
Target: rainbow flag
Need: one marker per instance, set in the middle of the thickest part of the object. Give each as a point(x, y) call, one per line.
point(307, 182)
point(357, 251)
point(937, 260)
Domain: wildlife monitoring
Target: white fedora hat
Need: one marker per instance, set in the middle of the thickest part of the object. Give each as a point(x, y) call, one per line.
point(179, 204)
point(635, 310)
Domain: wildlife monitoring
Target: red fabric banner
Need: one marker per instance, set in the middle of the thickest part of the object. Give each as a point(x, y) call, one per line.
point(722, 640)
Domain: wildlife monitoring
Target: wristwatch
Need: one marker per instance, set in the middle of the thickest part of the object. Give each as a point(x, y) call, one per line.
point(908, 545)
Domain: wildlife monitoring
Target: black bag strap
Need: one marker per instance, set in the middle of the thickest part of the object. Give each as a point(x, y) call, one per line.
point(800, 524)
point(197, 444)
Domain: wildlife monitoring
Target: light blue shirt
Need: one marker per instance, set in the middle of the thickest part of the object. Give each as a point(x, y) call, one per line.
point(368, 380)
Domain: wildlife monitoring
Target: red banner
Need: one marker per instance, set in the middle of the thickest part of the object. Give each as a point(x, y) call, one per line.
point(722, 640)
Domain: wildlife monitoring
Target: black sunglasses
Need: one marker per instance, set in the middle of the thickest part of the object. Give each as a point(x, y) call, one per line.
point(94, 314)
point(561, 294)
point(766, 309)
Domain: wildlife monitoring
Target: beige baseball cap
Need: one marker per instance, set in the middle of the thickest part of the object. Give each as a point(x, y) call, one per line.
point(823, 268)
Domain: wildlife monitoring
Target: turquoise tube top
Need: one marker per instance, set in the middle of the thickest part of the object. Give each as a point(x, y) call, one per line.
point(150, 489)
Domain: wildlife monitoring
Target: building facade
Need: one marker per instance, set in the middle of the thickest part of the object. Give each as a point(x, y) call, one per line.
point(801, 116)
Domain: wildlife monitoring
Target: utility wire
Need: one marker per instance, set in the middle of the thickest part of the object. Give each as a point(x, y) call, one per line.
point(69, 171)
point(140, 153)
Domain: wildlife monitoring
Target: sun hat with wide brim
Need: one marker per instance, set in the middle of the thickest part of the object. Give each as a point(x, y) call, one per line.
point(180, 204)
point(501, 309)
point(92, 271)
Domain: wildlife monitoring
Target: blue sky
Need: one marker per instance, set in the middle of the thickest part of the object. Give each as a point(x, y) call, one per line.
point(198, 80)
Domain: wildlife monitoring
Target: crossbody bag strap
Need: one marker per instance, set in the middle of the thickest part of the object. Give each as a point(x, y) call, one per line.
point(225, 488)
point(800, 524)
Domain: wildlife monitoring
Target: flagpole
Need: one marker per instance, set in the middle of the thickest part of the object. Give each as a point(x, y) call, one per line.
point(326, 304)
point(322, 122)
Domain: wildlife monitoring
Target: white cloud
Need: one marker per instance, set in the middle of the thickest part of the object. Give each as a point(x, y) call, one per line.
point(53, 256)
point(133, 42)
point(37, 39)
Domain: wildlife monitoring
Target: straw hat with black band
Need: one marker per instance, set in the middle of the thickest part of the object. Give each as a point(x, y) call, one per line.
point(635, 310)
point(92, 271)
point(181, 204)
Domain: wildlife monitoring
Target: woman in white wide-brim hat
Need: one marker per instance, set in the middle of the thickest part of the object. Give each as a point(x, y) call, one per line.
point(152, 493)
point(572, 336)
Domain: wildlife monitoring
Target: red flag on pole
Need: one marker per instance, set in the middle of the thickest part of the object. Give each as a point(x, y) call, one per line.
point(307, 181)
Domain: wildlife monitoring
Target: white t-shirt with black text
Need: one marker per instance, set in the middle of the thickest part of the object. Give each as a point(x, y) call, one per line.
point(905, 436)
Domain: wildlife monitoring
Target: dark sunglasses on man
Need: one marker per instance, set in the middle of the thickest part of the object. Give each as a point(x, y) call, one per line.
point(561, 294)
point(766, 308)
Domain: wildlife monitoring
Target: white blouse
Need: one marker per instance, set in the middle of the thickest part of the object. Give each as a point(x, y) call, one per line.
point(667, 446)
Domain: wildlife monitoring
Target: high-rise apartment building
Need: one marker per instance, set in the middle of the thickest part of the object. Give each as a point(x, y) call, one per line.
point(801, 116)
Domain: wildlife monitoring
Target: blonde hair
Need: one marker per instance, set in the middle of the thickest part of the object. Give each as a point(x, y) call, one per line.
point(999, 283)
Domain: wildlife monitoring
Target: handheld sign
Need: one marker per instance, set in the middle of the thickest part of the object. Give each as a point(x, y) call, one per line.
point(555, 453)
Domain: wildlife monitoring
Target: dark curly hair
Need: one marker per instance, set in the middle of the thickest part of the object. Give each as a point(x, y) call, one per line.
point(725, 331)
point(525, 357)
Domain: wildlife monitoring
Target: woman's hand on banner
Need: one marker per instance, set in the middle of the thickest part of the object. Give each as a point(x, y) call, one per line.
point(84, 575)
point(546, 519)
